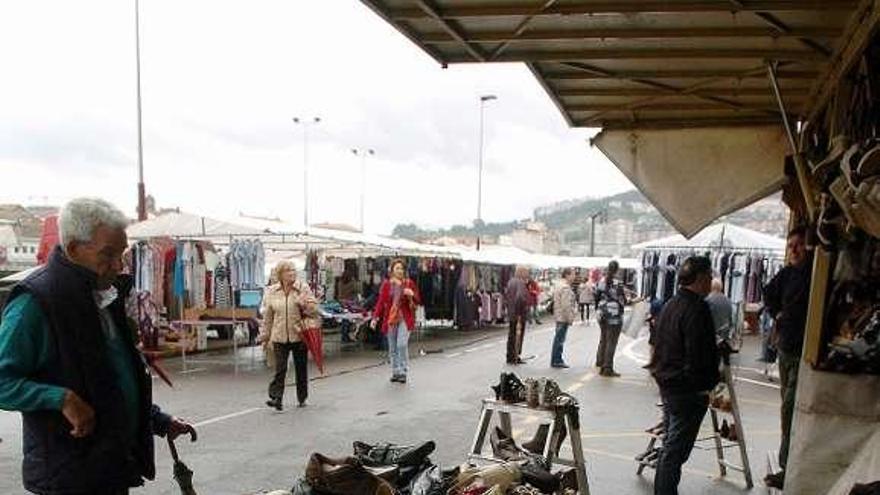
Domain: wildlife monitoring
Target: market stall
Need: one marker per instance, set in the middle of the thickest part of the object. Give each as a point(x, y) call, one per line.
point(743, 259)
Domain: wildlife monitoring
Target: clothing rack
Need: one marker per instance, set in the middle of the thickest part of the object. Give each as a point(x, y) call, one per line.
point(716, 249)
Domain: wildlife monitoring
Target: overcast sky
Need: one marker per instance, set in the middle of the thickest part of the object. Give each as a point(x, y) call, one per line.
point(222, 80)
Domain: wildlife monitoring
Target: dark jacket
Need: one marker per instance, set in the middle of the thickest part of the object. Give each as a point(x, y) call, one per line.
point(517, 298)
point(787, 297)
point(685, 356)
point(55, 462)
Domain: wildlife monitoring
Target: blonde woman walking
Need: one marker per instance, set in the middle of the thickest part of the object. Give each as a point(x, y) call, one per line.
point(286, 306)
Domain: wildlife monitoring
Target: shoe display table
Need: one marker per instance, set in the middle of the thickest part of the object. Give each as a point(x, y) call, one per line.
point(558, 418)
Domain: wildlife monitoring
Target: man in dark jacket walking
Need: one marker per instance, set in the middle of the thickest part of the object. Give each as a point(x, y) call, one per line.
point(685, 365)
point(69, 363)
point(787, 298)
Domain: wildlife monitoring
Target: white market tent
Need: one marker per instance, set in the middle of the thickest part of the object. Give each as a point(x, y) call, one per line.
point(186, 225)
point(279, 237)
point(723, 236)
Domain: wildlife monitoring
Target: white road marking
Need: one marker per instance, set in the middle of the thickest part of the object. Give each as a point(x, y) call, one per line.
point(228, 416)
point(756, 382)
point(454, 354)
point(629, 351)
point(194, 370)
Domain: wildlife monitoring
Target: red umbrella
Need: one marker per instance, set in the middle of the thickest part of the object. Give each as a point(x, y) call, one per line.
point(48, 238)
point(313, 338)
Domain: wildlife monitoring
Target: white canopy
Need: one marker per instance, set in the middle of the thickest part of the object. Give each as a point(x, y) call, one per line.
point(694, 176)
point(279, 237)
point(187, 225)
point(722, 235)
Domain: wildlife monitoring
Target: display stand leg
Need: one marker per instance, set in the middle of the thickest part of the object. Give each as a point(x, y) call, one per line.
point(642, 464)
point(504, 421)
point(741, 438)
point(482, 430)
point(719, 447)
point(553, 440)
point(183, 341)
point(235, 346)
point(234, 340)
point(580, 462)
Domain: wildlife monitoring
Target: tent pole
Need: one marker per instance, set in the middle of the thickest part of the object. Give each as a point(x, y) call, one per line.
point(800, 167)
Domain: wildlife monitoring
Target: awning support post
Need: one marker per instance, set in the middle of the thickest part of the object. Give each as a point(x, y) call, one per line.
point(799, 165)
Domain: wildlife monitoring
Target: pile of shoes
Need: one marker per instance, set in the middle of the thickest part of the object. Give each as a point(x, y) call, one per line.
point(728, 431)
point(849, 175)
point(533, 469)
point(510, 389)
point(721, 403)
point(856, 351)
point(536, 392)
point(376, 469)
point(866, 489)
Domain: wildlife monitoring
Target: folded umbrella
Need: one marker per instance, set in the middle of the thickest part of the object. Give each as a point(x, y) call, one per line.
point(182, 474)
point(313, 338)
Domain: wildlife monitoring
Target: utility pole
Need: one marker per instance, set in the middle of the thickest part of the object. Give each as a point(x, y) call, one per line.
point(479, 223)
point(141, 188)
point(305, 125)
point(602, 214)
point(363, 152)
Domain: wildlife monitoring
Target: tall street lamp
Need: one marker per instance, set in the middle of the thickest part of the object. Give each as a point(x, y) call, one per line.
point(141, 188)
point(479, 225)
point(602, 215)
point(363, 153)
point(305, 125)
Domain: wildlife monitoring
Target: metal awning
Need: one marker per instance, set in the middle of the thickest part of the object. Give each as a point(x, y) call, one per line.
point(649, 72)
point(640, 63)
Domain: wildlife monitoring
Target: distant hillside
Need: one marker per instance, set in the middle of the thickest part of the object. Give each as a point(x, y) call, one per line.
point(630, 218)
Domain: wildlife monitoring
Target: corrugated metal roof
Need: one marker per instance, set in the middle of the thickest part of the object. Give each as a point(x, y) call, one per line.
point(641, 63)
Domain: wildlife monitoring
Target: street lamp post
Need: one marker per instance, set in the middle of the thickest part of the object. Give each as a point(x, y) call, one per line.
point(305, 125)
point(602, 213)
point(141, 188)
point(479, 225)
point(363, 153)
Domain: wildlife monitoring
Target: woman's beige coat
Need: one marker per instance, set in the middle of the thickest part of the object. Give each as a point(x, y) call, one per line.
point(286, 315)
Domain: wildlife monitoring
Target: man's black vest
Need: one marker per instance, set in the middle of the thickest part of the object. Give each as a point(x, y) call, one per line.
point(54, 461)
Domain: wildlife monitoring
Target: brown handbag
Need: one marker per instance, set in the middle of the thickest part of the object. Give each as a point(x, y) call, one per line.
point(343, 477)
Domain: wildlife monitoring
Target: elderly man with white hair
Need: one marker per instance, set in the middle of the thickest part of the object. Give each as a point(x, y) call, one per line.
point(69, 363)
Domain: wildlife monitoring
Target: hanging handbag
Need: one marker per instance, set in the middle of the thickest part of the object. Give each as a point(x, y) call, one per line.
point(393, 315)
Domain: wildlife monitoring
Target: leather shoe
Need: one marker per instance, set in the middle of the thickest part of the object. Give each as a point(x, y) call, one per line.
point(275, 403)
point(559, 365)
point(775, 480)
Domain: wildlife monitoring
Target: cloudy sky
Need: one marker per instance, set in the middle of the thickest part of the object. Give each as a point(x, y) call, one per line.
point(222, 80)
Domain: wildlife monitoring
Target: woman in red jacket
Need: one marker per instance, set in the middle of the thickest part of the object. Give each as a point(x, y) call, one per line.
point(396, 308)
